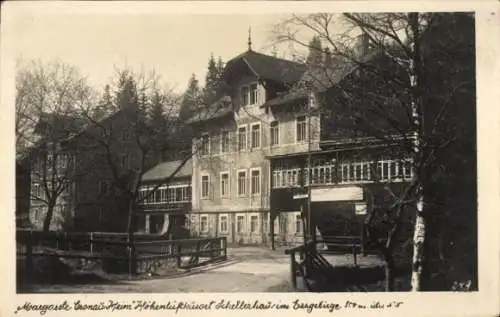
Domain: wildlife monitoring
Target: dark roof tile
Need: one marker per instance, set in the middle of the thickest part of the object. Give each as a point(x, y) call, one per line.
point(165, 170)
point(270, 68)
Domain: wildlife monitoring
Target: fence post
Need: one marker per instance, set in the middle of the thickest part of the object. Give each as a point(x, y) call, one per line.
point(198, 251)
point(354, 253)
point(131, 259)
point(293, 270)
point(91, 243)
point(224, 247)
point(178, 254)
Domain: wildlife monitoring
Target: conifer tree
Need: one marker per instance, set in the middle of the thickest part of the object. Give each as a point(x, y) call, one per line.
point(191, 100)
point(105, 106)
point(315, 56)
point(211, 82)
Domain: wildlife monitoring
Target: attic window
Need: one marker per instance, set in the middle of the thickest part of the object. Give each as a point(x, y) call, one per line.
point(249, 94)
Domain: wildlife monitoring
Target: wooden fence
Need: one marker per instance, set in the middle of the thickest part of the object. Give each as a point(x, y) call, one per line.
point(115, 249)
point(308, 263)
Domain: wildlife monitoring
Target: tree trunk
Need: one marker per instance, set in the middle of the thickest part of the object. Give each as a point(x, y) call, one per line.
point(418, 117)
point(130, 238)
point(389, 269)
point(418, 249)
point(48, 217)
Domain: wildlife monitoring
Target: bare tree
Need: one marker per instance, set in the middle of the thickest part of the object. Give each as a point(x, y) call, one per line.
point(377, 73)
point(47, 96)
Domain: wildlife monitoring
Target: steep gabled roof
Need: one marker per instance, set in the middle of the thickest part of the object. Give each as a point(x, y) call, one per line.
point(320, 79)
point(59, 123)
point(268, 67)
point(165, 170)
point(219, 109)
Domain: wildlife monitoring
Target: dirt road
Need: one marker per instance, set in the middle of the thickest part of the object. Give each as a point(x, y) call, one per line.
point(248, 269)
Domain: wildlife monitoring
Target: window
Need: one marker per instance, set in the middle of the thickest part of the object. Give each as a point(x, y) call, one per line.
point(223, 224)
point(240, 222)
point(106, 132)
point(205, 145)
point(37, 214)
point(249, 95)
point(301, 129)
point(255, 135)
point(61, 161)
point(204, 224)
point(124, 162)
point(225, 140)
point(100, 214)
point(242, 182)
point(103, 188)
point(224, 185)
point(205, 183)
point(255, 182)
point(170, 195)
point(242, 138)
point(298, 224)
point(265, 224)
point(185, 194)
point(253, 224)
point(50, 160)
point(275, 133)
point(36, 191)
point(245, 95)
point(125, 135)
point(253, 94)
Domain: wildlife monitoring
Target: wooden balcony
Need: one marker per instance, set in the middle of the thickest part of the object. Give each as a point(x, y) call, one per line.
point(344, 173)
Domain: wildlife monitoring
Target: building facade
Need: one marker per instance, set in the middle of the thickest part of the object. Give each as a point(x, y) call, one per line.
point(77, 172)
point(165, 199)
point(267, 141)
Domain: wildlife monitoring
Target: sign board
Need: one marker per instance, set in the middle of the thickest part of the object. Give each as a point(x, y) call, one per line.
point(351, 193)
point(360, 208)
point(300, 196)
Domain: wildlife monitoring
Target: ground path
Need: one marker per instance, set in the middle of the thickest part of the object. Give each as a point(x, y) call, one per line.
point(248, 269)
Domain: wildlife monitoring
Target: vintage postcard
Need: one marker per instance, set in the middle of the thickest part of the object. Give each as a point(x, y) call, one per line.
point(194, 158)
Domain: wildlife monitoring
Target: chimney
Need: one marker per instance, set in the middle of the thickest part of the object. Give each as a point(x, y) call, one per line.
point(362, 44)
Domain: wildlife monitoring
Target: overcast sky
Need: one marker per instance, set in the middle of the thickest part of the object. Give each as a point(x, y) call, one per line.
point(174, 45)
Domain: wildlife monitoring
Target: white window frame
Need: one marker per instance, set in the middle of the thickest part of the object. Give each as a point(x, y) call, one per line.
point(248, 94)
point(228, 194)
point(256, 101)
point(238, 137)
point(251, 181)
point(271, 133)
point(238, 228)
point(208, 144)
point(201, 186)
point(238, 183)
point(297, 130)
point(226, 217)
point(245, 95)
point(228, 150)
point(298, 224)
point(256, 229)
point(201, 226)
point(251, 135)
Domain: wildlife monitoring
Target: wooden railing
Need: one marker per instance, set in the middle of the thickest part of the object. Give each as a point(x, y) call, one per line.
point(307, 262)
point(115, 247)
point(344, 172)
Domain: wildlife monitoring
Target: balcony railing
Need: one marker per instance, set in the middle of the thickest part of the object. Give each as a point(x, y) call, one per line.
point(352, 172)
